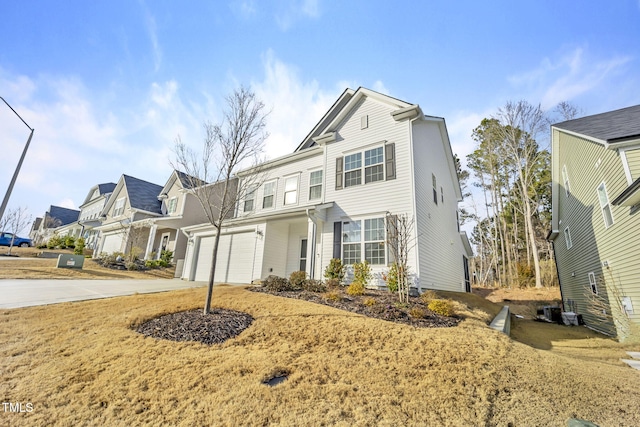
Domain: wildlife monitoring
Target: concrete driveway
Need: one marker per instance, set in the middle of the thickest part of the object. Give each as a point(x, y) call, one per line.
point(26, 293)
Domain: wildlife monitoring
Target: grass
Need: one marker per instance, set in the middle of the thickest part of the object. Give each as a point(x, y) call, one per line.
point(26, 267)
point(81, 363)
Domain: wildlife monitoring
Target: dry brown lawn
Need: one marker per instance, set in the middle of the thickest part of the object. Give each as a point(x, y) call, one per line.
point(26, 266)
point(83, 364)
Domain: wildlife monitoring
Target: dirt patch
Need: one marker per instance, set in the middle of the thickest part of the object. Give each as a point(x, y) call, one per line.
point(523, 302)
point(213, 328)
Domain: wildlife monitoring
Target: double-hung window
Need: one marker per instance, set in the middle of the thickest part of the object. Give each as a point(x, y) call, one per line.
point(605, 206)
point(118, 209)
point(315, 185)
point(268, 195)
point(249, 199)
point(374, 165)
point(370, 243)
point(353, 169)
point(291, 190)
point(172, 205)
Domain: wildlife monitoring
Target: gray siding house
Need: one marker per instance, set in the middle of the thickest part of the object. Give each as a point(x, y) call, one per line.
point(596, 221)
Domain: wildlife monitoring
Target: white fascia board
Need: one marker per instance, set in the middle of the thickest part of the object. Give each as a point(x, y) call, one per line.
point(583, 136)
point(289, 158)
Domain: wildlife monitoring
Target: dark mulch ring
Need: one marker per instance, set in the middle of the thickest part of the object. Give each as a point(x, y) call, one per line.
point(386, 306)
point(213, 328)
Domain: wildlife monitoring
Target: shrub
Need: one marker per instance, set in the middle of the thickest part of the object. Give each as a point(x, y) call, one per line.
point(166, 256)
point(297, 278)
point(70, 242)
point(356, 288)
point(162, 263)
point(362, 272)
point(276, 284)
point(392, 278)
point(41, 246)
point(54, 242)
point(335, 270)
point(441, 307)
point(369, 302)
point(428, 296)
point(417, 313)
point(333, 283)
point(312, 285)
point(151, 263)
point(332, 296)
point(131, 265)
point(79, 250)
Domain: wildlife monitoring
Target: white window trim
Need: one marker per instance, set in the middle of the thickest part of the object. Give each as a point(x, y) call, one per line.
point(567, 238)
point(363, 167)
point(116, 208)
point(250, 196)
point(606, 205)
point(321, 185)
point(363, 242)
point(173, 200)
point(273, 195)
point(296, 191)
point(565, 181)
point(593, 284)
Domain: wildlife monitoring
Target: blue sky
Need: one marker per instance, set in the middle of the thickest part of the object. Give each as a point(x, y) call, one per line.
point(108, 86)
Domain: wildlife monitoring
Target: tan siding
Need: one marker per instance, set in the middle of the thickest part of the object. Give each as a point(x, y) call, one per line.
point(592, 242)
point(633, 160)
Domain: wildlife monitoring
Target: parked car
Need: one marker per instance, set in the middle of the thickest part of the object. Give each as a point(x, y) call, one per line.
point(5, 240)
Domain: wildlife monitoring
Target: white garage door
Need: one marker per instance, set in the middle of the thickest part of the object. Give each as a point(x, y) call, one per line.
point(235, 258)
point(112, 243)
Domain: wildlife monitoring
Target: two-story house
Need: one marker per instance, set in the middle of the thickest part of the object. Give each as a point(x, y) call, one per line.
point(595, 228)
point(54, 220)
point(126, 215)
point(369, 156)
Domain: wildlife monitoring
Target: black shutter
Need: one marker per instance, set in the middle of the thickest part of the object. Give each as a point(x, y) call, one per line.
point(337, 239)
point(339, 173)
point(390, 160)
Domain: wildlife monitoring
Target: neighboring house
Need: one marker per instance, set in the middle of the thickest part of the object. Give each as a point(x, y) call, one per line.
point(595, 227)
point(127, 216)
point(55, 219)
point(369, 156)
point(90, 211)
point(33, 233)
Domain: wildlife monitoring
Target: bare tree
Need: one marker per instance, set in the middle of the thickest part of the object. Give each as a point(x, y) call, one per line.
point(236, 142)
point(401, 240)
point(17, 220)
point(567, 111)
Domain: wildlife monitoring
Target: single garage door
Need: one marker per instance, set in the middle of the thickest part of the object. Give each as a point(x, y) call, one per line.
point(235, 258)
point(112, 243)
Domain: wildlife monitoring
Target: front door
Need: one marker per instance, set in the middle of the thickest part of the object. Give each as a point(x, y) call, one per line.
point(303, 255)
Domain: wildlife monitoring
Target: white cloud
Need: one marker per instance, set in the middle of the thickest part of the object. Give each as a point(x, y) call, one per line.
point(152, 30)
point(290, 11)
point(378, 86)
point(296, 106)
point(564, 78)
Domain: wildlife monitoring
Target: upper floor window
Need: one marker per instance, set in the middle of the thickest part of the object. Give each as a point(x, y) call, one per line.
point(172, 204)
point(352, 169)
point(373, 165)
point(291, 190)
point(268, 195)
point(435, 189)
point(565, 180)
point(315, 185)
point(605, 206)
point(379, 165)
point(118, 209)
point(249, 199)
point(567, 238)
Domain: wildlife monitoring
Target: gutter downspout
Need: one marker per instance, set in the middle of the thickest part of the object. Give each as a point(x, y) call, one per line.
point(314, 220)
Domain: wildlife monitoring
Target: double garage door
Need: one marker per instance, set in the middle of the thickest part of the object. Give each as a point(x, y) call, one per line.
point(235, 258)
point(112, 243)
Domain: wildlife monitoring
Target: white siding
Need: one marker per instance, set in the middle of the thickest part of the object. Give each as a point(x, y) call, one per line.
point(297, 232)
point(275, 249)
point(439, 244)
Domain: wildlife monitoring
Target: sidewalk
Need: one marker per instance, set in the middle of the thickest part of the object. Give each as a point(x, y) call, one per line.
point(26, 293)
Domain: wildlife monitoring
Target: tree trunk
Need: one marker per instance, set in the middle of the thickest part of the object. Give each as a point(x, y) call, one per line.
point(212, 274)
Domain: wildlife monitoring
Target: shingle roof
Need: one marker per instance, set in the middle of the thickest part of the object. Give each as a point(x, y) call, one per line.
point(106, 188)
point(189, 181)
point(613, 126)
point(143, 195)
point(63, 215)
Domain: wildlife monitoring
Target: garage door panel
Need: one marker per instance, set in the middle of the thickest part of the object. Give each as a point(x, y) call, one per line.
point(112, 243)
point(235, 258)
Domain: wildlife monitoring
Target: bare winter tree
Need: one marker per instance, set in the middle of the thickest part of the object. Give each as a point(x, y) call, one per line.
point(237, 142)
point(567, 111)
point(17, 220)
point(400, 240)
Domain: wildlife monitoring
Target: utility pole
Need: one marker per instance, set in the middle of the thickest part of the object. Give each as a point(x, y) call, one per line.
point(5, 201)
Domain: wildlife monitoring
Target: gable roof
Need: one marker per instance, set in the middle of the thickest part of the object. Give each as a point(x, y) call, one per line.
point(607, 128)
point(103, 189)
point(63, 216)
point(143, 195)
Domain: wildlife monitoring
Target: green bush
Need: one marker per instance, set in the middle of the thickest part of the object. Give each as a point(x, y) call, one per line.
point(151, 263)
point(312, 285)
point(163, 263)
point(79, 250)
point(335, 270)
point(441, 307)
point(166, 256)
point(297, 278)
point(362, 273)
point(277, 284)
point(392, 278)
point(70, 242)
point(356, 288)
point(54, 242)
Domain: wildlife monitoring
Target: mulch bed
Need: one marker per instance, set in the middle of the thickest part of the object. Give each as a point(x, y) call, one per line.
point(386, 306)
point(214, 328)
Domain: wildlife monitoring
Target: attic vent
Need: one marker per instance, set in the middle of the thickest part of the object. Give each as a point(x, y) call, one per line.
point(364, 122)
